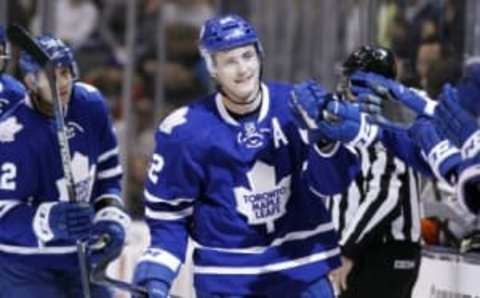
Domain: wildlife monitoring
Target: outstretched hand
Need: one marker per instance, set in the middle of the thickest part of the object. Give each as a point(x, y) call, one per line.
point(393, 90)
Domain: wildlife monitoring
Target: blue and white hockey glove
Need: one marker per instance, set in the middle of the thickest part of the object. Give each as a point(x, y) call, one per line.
point(110, 226)
point(351, 126)
point(156, 277)
point(370, 104)
point(394, 90)
point(457, 123)
point(65, 221)
point(308, 100)
point(442, 156)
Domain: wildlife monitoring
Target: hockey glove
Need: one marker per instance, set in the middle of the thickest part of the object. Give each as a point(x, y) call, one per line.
point(156, 277)
point(393, 90)
point(442, 156)
point(65, 221)
point(108, 233)
point(308, 99)
point(457, 124)
point(351, 127)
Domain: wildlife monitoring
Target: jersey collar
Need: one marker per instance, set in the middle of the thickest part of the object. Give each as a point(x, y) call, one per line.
point(225, 115)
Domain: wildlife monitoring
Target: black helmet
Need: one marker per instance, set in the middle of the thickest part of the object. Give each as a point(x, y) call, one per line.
point(371, 59)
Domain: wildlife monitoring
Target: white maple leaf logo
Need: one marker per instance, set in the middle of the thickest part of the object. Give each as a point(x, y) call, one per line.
point(265, 201)
point(173, 120)
point(8, 129)
point(83, 175)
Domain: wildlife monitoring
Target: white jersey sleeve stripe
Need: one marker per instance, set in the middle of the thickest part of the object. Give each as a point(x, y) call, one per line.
point(110, 173)
point(159, 215)
point(162, 257)
point(218, 270)
point(173, 202)
point(108, 196)
point(7, 205)
point(294, 236)
point(23, 250)
point(106, 155)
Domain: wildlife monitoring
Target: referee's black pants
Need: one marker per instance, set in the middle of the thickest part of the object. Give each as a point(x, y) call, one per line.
point(387, 271)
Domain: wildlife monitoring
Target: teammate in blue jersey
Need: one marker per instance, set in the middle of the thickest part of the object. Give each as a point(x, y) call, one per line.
point(447, 133)
point(420, 146)
point(38, 226)
point(11, 91)
point(235, 172)
point(457, 116)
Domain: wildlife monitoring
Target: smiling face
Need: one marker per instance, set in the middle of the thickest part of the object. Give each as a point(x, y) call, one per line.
point(237, 71)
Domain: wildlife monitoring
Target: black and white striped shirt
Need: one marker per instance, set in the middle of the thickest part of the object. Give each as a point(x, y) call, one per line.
point(381, 204)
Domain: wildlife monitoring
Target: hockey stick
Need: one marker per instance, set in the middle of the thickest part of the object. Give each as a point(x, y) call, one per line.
point(99, 276)
point(22, 38)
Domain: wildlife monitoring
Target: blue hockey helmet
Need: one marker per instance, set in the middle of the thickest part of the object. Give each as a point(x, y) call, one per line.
point(56, 49)
point(224, 33)
point(469, 86)
point(5, 46)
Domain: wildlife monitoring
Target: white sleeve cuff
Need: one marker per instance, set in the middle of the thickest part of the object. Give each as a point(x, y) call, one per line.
point(115, 214)
point(439, 154)
point(162, 257)
point(327, 153)
point(41, 226)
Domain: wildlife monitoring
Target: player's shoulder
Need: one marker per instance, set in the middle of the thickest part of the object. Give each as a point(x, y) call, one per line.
point(279, 86)
point(21, 129)
point(87, 96)
point(9, 84)
point(189, 122)
point(279, 94)
point(279, 89)
point(87, 92)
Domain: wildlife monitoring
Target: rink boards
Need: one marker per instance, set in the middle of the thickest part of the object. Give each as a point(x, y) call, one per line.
point(443, 273)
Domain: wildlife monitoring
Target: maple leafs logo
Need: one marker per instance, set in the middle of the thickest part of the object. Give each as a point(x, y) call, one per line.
point(175, 119)
point(83, 175)
point(265, 201)
point(8, 129)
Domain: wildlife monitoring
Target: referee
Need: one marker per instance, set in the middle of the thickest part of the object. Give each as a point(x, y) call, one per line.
point(378, 217)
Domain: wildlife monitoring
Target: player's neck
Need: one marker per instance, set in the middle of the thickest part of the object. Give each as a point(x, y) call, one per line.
point(243, 108)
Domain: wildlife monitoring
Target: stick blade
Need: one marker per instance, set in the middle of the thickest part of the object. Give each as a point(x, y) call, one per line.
point(19, 36)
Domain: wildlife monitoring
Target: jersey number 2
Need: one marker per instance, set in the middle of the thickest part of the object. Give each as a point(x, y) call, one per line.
point(8, 173)
point(155, 167)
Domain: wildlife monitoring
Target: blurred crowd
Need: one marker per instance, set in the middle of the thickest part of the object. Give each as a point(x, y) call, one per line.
point(426, 35)
point(428, 39)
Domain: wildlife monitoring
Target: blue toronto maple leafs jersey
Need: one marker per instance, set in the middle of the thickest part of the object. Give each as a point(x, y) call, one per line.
point(250, 193)
point(11, 92)
point(31, 172)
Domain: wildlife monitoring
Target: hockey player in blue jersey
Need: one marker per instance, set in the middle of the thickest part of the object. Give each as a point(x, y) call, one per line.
point(235, 172)
point(11, 91)
point(433, 155)
point(456, 116)
point(38, 227)
point(452, 120)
